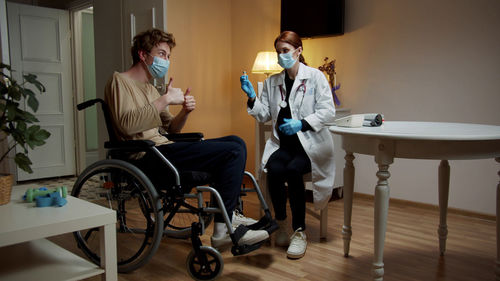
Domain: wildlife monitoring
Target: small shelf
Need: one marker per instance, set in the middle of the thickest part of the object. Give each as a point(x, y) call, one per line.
point(43, 260)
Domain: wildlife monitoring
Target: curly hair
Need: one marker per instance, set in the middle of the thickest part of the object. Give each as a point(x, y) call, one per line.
point(146, 40)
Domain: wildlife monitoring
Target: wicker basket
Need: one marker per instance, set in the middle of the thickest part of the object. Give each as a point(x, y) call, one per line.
point(5, 188)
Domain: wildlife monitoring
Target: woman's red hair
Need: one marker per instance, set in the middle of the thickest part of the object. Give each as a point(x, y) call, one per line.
point(293, 39)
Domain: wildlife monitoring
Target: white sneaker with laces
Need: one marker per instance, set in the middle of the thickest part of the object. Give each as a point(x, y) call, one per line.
point(251, 237)
point(298, 244)
point(281, 237)
point(239, 218)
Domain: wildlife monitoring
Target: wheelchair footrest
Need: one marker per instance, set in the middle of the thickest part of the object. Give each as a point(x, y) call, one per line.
point(265, 223)
point(238, 250)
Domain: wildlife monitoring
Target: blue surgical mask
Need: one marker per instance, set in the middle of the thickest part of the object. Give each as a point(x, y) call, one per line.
point(159, 67)
point(286, 60)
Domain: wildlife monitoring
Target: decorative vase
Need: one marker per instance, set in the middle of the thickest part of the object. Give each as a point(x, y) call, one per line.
point(5, 188)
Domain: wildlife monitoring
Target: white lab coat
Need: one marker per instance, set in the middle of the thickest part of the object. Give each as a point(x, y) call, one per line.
point(317, 108)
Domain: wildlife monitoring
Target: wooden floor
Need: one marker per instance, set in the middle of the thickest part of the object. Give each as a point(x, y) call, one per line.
point(411, 250)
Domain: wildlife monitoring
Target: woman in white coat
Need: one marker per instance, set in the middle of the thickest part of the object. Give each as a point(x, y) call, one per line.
point(299, 102)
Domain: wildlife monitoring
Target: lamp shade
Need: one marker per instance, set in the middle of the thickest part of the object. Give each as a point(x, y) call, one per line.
point(266, 63)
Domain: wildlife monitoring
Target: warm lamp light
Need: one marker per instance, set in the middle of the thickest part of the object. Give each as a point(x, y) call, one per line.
point(266, 63)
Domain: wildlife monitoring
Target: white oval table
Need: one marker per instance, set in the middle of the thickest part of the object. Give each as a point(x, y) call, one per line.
point(413, 140)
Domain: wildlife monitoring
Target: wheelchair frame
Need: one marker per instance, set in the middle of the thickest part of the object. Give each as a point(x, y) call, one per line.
point(118, 184)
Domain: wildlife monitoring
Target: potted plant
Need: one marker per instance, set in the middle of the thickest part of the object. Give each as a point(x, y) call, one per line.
point(18, 127)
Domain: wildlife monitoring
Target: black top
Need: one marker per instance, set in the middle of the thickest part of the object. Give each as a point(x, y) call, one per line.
point(290, 143)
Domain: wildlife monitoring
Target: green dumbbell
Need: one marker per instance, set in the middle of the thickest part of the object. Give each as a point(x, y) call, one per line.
point(32, 193)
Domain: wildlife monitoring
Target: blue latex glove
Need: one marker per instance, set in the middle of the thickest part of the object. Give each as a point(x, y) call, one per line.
point(247, 87)
point(291, 126)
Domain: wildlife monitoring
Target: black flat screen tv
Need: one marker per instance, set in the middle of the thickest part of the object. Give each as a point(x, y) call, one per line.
point(313, 18)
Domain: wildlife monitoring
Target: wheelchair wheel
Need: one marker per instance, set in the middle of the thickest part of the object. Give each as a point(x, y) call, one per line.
point(207, 265)
point(120, 186)
point(178, 222)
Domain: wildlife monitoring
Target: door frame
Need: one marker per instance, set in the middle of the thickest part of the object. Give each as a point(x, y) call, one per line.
point(76, 54)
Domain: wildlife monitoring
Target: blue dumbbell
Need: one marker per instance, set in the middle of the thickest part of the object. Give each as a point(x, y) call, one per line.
point(32, 193)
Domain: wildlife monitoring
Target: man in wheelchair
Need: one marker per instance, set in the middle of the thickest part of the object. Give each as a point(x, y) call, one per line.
point(139, 112)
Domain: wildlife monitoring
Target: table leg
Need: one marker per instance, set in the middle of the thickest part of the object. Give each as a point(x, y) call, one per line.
point(348, 191)
point(444, 188)
point(381, 210)
point(497, 270)
point(107, 237)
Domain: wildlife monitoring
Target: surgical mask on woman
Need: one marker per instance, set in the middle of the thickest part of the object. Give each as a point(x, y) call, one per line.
point(286, 60)
point(159, 67)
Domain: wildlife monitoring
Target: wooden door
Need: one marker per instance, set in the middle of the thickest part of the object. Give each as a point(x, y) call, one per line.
point(39, 42)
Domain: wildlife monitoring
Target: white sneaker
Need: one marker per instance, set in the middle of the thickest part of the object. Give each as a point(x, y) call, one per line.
point(281, 237)
point(298, 244)
point(239, 218)
point(251, 237)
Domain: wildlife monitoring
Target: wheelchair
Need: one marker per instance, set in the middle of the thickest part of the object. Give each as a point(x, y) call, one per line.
point(150, 206)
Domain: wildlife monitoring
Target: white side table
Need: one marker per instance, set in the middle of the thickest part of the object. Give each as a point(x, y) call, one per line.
point(26, 255)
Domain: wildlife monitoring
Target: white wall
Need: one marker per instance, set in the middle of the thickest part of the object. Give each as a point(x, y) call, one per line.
point(426, 61)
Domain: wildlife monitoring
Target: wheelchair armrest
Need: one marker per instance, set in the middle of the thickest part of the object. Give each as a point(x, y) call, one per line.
point(129, 144)
point(177, 137)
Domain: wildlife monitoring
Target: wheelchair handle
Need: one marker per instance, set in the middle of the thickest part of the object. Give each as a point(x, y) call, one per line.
point(88, 103)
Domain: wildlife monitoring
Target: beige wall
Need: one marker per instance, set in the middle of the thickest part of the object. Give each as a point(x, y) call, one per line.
point(410, 60)
point(216, 40)
point(255, 25)
point(202, 61)
point(423, 61)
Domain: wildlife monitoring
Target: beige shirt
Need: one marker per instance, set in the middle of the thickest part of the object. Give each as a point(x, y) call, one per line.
point(133, 114)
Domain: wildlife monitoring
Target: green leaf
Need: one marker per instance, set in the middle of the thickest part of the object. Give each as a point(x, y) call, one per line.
point(33, 103)
point(15, 92)
point(27, 116)
point(21, 126)
point(35, 136)
point(17, 122)
point(31, 78)
point(23, 162)
point(41, 135)
point(18, 137)
point(32, 129)
point(27, 92)
point(11, 110)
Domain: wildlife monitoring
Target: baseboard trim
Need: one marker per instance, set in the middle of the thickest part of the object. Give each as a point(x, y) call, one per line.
point(427, 206)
